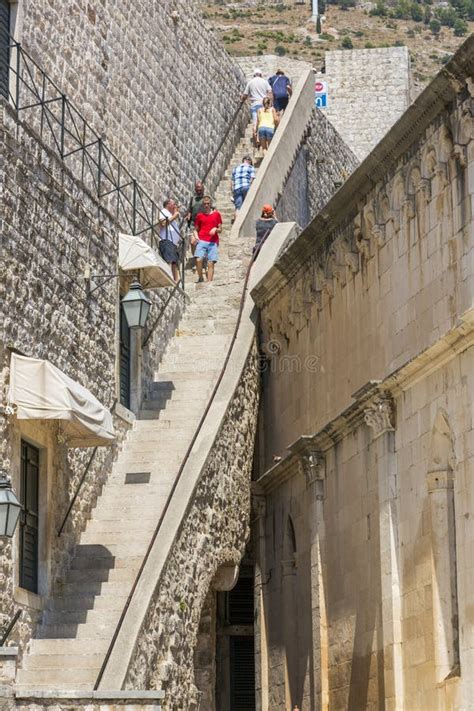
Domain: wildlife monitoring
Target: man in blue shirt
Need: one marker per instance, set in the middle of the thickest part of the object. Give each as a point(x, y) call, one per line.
point(281, 89)
point(242, 176)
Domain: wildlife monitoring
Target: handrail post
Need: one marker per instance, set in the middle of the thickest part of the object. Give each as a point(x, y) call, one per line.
point(63, 119)
point(17, 82)
point(99, 167)
point(134, 207)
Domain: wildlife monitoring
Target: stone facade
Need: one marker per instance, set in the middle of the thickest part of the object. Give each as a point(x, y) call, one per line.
point(323, 164)
point(368, 329)
point(364, 103)
point(151, 80)
point(50, 232)
point(210, 537)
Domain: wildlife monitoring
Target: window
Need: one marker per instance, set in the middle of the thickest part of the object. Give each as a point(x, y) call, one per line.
point(29, 529)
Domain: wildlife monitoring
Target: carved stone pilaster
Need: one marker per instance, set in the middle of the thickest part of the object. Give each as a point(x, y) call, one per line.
point(378, 232)
point(379, 415)
point(313, 465)
point(259, 506)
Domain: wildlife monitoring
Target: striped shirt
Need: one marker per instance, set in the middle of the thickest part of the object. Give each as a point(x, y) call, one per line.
point(242, 176)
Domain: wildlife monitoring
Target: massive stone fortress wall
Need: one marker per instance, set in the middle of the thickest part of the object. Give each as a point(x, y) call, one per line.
point(150, 78)
point(370, 320)
point(50, 229)
point(368, 90)
point(323, 163)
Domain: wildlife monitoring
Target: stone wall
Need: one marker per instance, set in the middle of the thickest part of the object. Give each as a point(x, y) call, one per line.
point(149, 78)
point(269, 63)
point(52, 227)
point(368, 326)
point(368, 90)
point(323, 164)
point(211, 535)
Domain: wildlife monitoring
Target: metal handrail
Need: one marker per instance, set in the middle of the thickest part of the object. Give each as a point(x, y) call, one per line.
point(64, 129)
point(10, 627)
point(182, 466)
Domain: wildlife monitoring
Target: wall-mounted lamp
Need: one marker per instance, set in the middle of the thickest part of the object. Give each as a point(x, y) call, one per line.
point(135, 306)
point(10, 507)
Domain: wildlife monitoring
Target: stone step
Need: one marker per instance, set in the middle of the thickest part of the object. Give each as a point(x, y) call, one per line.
point(77, 576)
point(179, 378)
point(61, 604)
point(87, 588)
point(66, 647)
point(62, 675)
point(32, 690)
point(58, 661)
point(91, 631)
point(106, 563)
point(82, 616)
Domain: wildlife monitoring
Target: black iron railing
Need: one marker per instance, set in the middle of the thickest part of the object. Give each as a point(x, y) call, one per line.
point(33, 94)
point(9, 627)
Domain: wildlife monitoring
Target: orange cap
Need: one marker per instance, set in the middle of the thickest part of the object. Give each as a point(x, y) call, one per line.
point(267, 208)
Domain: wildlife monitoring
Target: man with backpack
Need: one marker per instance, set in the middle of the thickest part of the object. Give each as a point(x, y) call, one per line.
point(281, 89)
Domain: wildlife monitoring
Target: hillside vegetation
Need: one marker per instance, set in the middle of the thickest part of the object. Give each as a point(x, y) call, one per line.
point(432, 30)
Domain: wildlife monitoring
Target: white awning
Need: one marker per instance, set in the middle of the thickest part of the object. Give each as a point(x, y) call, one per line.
point(41, 391)
point(135, 254)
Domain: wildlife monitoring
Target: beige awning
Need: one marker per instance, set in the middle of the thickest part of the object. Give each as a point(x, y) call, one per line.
point(41, 391)
point(135, 254)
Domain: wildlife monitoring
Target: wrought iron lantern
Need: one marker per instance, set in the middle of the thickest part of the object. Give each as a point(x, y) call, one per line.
point(10, 508)
point(135, 306)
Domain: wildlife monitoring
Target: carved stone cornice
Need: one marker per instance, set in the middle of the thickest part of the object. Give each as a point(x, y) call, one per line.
point(379, 415)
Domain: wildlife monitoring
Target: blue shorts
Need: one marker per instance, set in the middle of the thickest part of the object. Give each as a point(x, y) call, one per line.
point(266, 133)
point(207, 249)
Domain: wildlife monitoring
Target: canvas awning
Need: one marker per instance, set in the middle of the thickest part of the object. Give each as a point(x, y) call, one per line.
point(41, 391)
point(135, 254)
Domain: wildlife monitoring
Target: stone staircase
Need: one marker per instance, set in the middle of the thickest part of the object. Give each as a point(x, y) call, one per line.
point(79, 620)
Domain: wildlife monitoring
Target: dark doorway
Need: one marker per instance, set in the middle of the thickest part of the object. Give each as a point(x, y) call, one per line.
point(242, 674)
point(124, 361)
point(235, 689)
point(29, 529)
point(4, 46)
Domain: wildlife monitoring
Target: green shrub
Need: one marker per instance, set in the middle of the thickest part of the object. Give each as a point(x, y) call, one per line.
point(347, 43)
point(358, 33)
point(368, 45)
point(398, 43)
point(460, 28)
point(380, 9)
point(280, 50)
point(447, 16)
point(435, 27)
point(308, 41)
point(325, 36)
point(417, 12)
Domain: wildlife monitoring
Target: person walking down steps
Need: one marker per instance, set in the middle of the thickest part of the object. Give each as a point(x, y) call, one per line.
point(208, 224)
point(241, 180)
point(170, 235)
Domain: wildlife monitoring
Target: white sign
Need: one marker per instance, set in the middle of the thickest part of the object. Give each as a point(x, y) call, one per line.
point(321, 94)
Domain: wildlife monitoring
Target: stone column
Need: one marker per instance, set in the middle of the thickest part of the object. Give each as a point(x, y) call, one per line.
point(314, 468)
point(260, 637)
point(445, 603)
point(379, 416)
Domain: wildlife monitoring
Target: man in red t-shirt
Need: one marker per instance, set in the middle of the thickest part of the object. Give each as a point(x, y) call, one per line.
point(207, 226)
